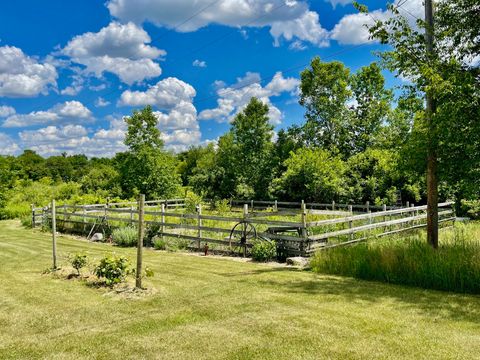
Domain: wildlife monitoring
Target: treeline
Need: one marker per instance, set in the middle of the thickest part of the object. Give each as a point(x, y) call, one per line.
point(357, 143)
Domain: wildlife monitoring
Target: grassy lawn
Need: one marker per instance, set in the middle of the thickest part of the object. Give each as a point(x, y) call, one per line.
point(206, 308)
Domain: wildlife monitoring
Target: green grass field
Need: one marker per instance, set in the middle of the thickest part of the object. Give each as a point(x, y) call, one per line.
point(210, 308)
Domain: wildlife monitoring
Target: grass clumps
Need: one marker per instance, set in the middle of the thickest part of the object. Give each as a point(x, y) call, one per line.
point(125, 236)
point(454, 266)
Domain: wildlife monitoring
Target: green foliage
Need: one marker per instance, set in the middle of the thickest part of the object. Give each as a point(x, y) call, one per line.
point(114, 269)
point(125, 236)
point(471, 208)
point(222, 206)
point(26, 221)
point(146, 168)
point(170, 244)
point(78, 261)
point(455, 266)
point(264, 251)
point(192, 200)
point(159, 243)
point(311, 174)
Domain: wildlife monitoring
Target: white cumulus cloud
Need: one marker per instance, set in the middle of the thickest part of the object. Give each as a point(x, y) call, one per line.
point(7, 145)
point(121, 49)
point(6, 111)
point(67, 111)
point(23, 76)
point(286, 18)
point(233, 99)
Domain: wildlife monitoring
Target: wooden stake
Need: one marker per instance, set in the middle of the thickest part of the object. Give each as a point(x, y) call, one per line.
point(163, 219)
point(54, 235)
point(141, 203)
point(33, 216)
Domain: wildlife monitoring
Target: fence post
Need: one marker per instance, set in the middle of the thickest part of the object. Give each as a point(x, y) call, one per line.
point(407, 204)
point(413, 214)
point(384, 216)
point(367, 206)
point(333, 205)
point(141, 203)
point(245, 216)
point(132, 208)
point(251, 206)
point(350, 223)
point(275, 206)
point(304, 227)
point(54, 235)
point(33, 216)
point(162, 228)
point(199, 226)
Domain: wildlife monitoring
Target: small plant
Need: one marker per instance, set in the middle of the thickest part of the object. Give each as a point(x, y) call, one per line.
point(125, 236)
point(264, 251)
point(191, 202)
point(26, 221)
point(159, 243)
point(222, 206)
point(170, 244)
point(78, 261)
point(114, 269)
point(149, 272)
point(471, 208)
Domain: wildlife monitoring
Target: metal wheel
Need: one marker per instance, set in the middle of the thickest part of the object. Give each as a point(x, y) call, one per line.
point(242, 234)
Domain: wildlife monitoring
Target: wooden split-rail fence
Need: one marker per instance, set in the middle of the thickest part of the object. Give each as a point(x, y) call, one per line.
point(342, 224)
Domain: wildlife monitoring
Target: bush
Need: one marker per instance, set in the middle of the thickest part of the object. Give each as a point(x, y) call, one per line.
point(454, 266)
point(191, 202)
point(170, 244)
point(113, 269)
point(159, 243)
point(78, 261)
point(125, 236)
point(471, 208)
point(222, 206)
point(264, 251)
point(26, 221)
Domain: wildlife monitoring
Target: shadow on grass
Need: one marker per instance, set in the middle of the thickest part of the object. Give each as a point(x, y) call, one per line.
point(436, 304)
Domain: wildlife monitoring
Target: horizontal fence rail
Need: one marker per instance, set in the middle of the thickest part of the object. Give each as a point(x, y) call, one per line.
point(300, 231)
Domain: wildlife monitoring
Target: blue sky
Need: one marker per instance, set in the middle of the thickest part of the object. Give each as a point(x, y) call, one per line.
point(70, 70)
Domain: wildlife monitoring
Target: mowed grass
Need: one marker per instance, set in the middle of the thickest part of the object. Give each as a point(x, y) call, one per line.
point(210, 308)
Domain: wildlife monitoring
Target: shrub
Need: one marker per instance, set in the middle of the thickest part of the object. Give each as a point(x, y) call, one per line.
point(222, 206)
point(454, 266)
point(159, 243)
point(471, 208)
point(114, 269)
point(170, 244)
point(264, 251)
point(125, 236)
point(191, 202)
point(78, 261)
point(26, 221)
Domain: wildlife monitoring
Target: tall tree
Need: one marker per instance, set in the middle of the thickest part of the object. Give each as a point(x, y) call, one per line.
point(252, 136)
point(324, 93)
point(443, 69)
point(146, 168)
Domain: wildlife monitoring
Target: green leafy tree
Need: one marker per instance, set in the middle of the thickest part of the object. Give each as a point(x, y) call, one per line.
point(252, 138)
point(372, 107)
point(313, 175)
point(146, 168)
point(324, 94)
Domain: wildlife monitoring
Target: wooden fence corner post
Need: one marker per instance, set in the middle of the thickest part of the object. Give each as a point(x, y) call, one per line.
point(33, 216)
point(54, 235)
point(141, 224)
point(199, 216)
